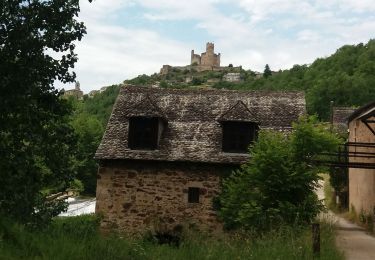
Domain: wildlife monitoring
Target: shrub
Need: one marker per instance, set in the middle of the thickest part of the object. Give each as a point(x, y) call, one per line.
point(196, 81)
point(278, 184)
point(163, 84)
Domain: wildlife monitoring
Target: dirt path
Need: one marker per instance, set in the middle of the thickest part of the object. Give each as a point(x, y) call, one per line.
point(350, 238)
point(353, 241)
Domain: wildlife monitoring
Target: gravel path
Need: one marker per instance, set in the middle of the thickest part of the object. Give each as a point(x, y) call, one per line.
point(353, 241)
point(350, 238)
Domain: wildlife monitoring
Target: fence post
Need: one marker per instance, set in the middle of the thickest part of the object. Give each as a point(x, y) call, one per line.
point(316, 238)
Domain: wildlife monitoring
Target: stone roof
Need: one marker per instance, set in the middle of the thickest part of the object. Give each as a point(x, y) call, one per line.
point(341, 115)
point(193, 116)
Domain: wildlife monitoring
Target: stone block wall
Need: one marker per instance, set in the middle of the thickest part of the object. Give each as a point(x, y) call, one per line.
point(136, 196)
point(210, 59)
point(361, 181)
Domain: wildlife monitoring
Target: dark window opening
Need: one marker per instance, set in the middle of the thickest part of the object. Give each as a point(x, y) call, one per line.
point(143, 133)
point(237, 136)
point(193, 195)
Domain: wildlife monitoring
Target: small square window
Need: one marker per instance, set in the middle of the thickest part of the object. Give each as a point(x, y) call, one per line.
point(193, 195)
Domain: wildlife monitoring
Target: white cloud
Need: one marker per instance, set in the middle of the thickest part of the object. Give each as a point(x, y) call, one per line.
point(109, 54)
point(308, 35)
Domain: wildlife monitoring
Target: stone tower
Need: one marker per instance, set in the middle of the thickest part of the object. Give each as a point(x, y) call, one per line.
point(208, 58)
point(195, 58)
point(210, 48)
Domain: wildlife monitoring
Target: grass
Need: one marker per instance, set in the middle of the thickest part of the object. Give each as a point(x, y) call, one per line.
point(78, 238)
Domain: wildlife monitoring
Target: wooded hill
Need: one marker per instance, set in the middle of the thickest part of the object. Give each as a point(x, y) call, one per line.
point(347, 77)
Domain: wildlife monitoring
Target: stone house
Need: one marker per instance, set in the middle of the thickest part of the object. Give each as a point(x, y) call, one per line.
point(164, 152)
point(362, 159)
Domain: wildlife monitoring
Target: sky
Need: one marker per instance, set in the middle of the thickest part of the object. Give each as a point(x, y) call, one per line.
point(127, 38)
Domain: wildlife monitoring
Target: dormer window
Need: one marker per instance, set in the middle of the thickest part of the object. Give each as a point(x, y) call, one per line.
point(144, 133)
point(237, 136)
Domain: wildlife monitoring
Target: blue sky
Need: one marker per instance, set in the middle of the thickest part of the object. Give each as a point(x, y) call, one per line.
point(127, 38)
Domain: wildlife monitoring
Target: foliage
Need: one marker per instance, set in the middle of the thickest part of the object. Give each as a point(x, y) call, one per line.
point(89, 131)
point(277, 185)
point(36, 141)
point(78, 238)
point(267, 71)
point(196, 81)
point(100, 105)
point(89, 121)
point(339, 180)
point(140, 80)
point(163, 84)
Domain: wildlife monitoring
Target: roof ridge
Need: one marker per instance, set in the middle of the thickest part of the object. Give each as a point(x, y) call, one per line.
point(142, 88)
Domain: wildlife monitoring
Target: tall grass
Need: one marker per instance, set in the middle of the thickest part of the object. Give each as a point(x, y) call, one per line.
point(78, 238)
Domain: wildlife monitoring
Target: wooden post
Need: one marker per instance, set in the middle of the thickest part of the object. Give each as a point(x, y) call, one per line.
point(316, 238)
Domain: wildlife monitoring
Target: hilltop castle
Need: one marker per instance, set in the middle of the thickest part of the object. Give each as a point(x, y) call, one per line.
point(76, 92)
point(208, 58)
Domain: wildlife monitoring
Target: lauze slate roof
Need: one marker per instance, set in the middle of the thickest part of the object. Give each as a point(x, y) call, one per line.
point(192, 119)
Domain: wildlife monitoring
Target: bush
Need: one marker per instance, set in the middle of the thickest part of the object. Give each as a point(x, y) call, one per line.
point(278, 184)
point(196, 81)
point(163, 84)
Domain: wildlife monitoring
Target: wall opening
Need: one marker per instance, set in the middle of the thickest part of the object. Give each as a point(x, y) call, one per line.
point(193, 195)
point(143, 133)
point(237, 136)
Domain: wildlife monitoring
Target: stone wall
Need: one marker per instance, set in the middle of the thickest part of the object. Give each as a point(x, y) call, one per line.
point(165, 69)
point(232, 77)
point(210, 59)
point(136, 196)
point(361, 181)
point(74, 93)
point(195, 58)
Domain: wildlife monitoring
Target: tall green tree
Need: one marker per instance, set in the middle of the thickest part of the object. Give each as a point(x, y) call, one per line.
point(267, 71)
point(36, 141)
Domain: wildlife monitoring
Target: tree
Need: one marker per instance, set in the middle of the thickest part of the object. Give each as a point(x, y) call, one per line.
point(267, 71)
point(90, 131)
point(36, 141)
point(278, 184)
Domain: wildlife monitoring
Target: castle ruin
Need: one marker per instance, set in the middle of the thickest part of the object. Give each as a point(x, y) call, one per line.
point(208, 58)
point(207, 61)
point(76, 92)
